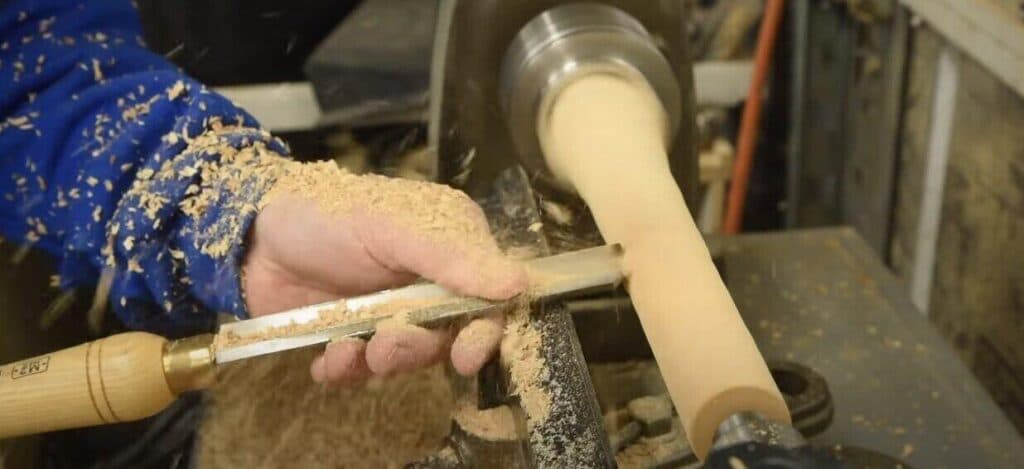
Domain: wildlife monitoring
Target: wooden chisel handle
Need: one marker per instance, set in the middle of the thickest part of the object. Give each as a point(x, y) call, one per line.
point(119, 378)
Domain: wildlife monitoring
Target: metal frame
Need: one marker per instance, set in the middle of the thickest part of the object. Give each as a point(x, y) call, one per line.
point(468, 128)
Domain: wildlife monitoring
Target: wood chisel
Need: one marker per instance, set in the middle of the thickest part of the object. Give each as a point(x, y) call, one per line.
point(134, 375)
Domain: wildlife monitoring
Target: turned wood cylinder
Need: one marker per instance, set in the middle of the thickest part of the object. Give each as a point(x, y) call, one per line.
point(605, 136)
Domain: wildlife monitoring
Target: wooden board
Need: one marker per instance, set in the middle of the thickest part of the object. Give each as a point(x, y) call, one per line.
point(990, 31)
point(977, 295)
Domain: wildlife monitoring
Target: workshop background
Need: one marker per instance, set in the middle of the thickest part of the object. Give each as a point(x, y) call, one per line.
point(903, 119)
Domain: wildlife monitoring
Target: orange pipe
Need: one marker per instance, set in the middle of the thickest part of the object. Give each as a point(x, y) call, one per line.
point(752, 116)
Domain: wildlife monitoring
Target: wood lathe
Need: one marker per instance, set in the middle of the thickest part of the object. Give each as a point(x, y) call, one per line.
point(134, 375)
point(592, 99)
point(596, 99)
point(571, 124)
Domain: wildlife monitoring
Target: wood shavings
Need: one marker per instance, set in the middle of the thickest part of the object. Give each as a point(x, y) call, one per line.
point(249, 170)
point(327, 317)
point(495, 424)
point(97, 72)
point(520, 353)
point(339, 192)
point(134, 266)
point(17, 120)
point(175, 90)
point(292, 422)
point(649, 452)
point(333, 316)
point(559, 213)
point(908, 449)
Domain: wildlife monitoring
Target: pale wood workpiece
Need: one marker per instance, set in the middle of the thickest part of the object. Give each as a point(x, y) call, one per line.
point(605, 135)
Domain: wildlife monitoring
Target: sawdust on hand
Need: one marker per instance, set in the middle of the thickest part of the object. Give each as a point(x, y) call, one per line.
point(339, 192)
point(268, 412)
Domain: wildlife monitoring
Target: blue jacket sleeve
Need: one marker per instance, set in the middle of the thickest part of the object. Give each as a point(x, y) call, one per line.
point(112, 159)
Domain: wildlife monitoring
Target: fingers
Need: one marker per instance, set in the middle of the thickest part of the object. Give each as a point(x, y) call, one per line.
point(476, 344)
point(397, 347)
point(343, 362)
point(300, 254)
point(478, 273)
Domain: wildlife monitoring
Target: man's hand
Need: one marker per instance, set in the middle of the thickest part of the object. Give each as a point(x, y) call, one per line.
point(300, 254)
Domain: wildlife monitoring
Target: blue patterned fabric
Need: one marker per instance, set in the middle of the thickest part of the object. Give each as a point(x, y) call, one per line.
point(103, 166)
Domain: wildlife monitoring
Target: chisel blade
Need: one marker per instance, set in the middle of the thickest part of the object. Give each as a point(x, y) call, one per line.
point(571, 273)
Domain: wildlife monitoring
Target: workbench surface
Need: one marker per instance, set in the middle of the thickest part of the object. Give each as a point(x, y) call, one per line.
point(823, 298)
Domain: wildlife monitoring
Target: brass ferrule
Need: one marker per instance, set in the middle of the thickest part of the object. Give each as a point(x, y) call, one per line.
point(189, 364)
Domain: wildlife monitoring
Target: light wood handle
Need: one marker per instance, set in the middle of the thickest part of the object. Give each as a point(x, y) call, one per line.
point(114, 379)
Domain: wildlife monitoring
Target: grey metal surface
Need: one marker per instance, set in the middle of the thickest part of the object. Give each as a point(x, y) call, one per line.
point(799, 18)
point(563, 44)
point(752, 427)
point(374, 68)
point(822, 298)
point(468, 127)
point(280, 107)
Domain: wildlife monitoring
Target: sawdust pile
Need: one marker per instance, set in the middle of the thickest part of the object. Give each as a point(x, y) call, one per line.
point(268, 413)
